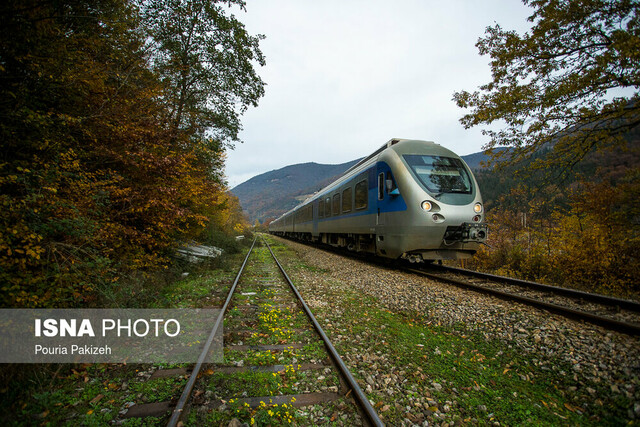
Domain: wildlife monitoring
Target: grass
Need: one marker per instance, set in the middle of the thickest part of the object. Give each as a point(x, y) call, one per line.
point(93, 395)
point(266, 414)
point(289, 381)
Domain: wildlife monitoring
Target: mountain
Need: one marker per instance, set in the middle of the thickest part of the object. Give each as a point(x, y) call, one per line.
point(271, 194)
point(476, 161)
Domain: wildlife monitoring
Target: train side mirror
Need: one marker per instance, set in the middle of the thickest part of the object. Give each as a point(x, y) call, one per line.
point(391, 189)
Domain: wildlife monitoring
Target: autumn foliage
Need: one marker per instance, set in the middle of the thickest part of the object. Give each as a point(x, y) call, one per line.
point(95, 181)
point(589, 241)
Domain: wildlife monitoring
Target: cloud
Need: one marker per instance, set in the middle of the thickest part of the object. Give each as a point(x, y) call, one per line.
point(344, 77)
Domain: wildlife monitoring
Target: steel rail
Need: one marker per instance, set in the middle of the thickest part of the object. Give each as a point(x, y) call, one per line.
point(612, 324)
point(186, 393)
point(616, 325)
point(360, 398)
point(586, 296)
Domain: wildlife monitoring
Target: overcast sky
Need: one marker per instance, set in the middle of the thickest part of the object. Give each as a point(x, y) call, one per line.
point(343, 77)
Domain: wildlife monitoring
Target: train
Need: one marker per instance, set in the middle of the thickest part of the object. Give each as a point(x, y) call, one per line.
point(410, 199)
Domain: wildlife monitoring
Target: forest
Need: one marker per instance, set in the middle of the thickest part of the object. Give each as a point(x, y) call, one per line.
point(582, 233)
point(115, 120)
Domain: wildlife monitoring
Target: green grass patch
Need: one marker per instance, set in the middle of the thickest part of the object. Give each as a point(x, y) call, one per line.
point(267, 414)
point(490, 381)
point(247, 383)
point(93, 395)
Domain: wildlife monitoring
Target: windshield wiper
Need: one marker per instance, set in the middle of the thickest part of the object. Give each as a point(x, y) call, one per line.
point(451, 191)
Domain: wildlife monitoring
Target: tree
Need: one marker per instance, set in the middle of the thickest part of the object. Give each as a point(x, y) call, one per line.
point(206, 62)
point(570, 84)
point(94, 184)
point(76, 95)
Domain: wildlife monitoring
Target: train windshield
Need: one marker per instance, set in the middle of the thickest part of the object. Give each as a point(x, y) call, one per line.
point(440, 174)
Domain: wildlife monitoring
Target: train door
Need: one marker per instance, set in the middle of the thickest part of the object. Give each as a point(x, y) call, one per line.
point(315, 215)
point(387, 194)
point(390, 202)
point(381, 214)
point(380, 201)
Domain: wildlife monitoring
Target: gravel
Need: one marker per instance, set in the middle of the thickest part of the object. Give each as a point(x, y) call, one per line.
point(593, 353)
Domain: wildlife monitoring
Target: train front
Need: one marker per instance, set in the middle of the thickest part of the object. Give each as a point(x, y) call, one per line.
point(444, 212)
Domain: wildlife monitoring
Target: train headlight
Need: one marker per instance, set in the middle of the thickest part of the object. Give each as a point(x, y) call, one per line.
point(477, 208)
point(426, 205)
point(437, 218)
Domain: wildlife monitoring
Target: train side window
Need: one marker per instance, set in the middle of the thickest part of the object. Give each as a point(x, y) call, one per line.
point(336, 204)
point(321, 208)
point(361, 195)
point(347, 200)
point(381, 186)
point(327, 207)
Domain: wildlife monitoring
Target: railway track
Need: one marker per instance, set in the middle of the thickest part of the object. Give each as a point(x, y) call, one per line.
point(612, 313)
point(615, 314)
point(277, 361)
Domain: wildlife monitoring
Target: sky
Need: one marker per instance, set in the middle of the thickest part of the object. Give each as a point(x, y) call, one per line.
point(344, 77)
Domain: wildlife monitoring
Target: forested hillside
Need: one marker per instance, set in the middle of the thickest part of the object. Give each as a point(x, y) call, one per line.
point(580, 231)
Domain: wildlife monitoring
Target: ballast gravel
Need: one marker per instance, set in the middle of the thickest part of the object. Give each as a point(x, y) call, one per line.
point(593, 353)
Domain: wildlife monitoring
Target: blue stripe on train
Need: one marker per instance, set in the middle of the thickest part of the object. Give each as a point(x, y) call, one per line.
point(374, 206)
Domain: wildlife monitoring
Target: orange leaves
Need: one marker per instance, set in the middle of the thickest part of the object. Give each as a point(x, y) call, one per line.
point(572, 408)
point(591, 243)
